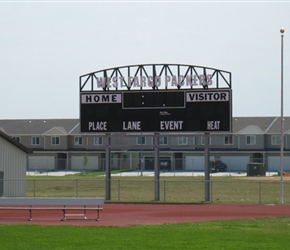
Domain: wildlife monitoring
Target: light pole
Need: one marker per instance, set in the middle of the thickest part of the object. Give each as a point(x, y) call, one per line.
point(282, 126)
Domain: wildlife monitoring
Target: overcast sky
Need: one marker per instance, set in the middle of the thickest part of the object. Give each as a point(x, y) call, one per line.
point(46, 46)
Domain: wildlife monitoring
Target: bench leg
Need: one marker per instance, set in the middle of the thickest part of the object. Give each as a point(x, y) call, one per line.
point(85, 212)
point(98, 214)
point(63, 214)
point(30, 214)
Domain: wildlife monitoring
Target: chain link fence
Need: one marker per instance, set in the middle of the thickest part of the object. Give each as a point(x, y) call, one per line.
point(174, 189)
point(171, 190)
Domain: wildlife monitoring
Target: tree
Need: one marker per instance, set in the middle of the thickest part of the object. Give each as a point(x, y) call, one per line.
point(85, 161)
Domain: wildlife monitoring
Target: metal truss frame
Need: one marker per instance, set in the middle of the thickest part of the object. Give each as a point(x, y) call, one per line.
point(219, 78)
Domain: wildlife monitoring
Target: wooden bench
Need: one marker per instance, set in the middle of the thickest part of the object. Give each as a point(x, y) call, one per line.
point(63, 204)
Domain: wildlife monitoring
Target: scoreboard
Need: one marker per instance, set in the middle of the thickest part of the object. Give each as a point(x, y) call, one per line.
point(156, 111)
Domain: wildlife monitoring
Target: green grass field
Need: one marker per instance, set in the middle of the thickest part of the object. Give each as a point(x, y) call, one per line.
point(248, 234)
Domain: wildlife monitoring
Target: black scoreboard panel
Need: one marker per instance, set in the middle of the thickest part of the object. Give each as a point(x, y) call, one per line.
point(157, 111)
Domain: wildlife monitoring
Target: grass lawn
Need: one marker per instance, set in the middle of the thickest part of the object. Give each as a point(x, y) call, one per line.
point(262, 233)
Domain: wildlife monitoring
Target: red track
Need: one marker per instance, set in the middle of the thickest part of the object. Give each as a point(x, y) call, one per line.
point(125, 214)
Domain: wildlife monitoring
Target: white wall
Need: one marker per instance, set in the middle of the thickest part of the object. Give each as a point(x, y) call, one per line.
point(236, 163)
point(194, 163)
point(274, 163)
point(77, 163)
point(38, 163)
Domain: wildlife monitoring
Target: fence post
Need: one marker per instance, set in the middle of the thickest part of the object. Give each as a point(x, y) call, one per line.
point(119, 190)
point(156, 167)
point(206, 169)
point(211, 188)
point(34, 187)
point(260, 192)
point(164, 190)
point(77, 187)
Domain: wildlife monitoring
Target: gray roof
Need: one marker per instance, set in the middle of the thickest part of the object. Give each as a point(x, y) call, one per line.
point(263, 123)
point(276, 127)
point(269, 125)
point(37, 126)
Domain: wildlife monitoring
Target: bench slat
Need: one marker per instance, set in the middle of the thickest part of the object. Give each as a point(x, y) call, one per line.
point(51, 201)
point(63, 204)
point(51, 208)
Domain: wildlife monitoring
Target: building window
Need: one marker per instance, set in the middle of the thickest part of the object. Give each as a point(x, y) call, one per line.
point(182, 140)
point(251, 140)
point(141, 140)
point(275, 139)
point(78, 140)
point(98, 140)
point(163, 140)
point(229, 140)
point(35, 140)
point(55, 140)
point(193, 140)
point(203, 140)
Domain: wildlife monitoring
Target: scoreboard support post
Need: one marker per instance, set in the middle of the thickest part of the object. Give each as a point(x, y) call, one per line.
point(156, 168)
point(206, 168)
point(108, 167)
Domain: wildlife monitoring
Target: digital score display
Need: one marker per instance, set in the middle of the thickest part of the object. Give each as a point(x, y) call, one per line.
point(156, 111)
point(160, 99)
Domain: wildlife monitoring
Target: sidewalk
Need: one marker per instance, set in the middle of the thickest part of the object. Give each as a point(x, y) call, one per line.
point(144, 173)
